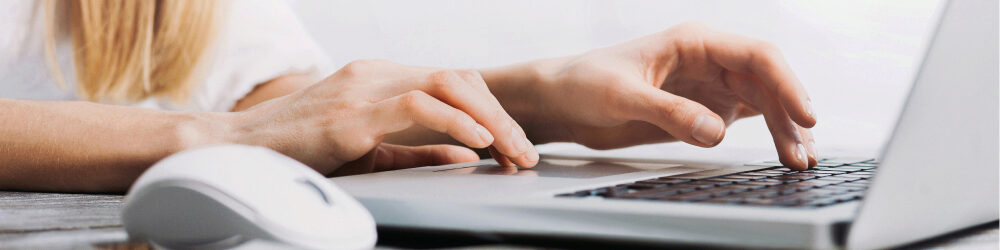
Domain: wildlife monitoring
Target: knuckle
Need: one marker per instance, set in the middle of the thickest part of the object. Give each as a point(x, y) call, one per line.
point(412, 100)
point(674, 109)
point(352, 67)
point(764, 55)
point(442, 81)
point(497, 117)
point(470, 75)
point(767, 48)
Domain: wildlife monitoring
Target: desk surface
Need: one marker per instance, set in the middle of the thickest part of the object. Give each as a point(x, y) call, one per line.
point(62, 221)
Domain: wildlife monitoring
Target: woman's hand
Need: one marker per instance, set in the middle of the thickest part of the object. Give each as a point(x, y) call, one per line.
point(686, 83)
point(337, 125)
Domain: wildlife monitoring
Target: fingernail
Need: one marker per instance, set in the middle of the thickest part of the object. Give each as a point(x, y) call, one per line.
point(531, 155)
point(520, 145)
point(707, 130)
point(812, 146)
point(809, 109)
point(484, 134)
point(800, 152)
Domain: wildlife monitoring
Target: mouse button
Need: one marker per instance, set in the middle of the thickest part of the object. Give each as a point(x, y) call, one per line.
point(315, 187)
point(290, 202)
point(298, 220)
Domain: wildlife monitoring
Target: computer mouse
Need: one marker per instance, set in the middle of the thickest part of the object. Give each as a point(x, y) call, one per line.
point(223, 196)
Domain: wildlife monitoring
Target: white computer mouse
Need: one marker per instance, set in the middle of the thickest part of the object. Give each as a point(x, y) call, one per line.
point(222, 196)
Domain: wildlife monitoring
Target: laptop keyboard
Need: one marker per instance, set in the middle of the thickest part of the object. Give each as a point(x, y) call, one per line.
point(832, 181)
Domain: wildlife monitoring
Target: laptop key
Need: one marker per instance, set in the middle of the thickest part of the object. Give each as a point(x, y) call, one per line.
point(858, 184)
point(843, 189)
point(800, 176)
point(763, 182)
point(670, 180)
point(683, 188)
point(693, 196)
point(765, 164)
point(822, 192)
point(820, 182)
point(729, 179)
point(774, 171)
point(645, 185)
point(829, 172)
point(764, 201)
point(858, 175)
point(847, 160)
point(849, 196)
point(745, 176)
point(725, 200)
point(851, 168)
point(828, 164)
point(864, 165)
point(736, 188)
point(841, 178)
point(701, 184)
point(763, 193)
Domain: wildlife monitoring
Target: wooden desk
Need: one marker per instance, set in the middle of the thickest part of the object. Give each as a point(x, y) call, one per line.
point(63, 221)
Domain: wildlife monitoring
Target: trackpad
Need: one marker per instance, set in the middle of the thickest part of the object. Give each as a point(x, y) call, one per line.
point(564, 169)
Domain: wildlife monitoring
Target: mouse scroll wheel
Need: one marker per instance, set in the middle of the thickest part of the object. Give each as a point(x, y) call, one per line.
point(315, 187)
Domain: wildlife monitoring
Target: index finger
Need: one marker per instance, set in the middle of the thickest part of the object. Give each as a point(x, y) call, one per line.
point(747, 55)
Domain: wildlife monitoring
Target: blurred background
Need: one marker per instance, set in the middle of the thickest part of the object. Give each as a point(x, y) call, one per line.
point(857, 59)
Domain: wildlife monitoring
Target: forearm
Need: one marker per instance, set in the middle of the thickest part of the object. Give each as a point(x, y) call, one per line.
point(87, 147)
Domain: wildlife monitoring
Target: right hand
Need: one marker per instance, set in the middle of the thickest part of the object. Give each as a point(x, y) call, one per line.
point(337, 125)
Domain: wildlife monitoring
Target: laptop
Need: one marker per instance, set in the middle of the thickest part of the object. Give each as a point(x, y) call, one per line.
point(937, 174)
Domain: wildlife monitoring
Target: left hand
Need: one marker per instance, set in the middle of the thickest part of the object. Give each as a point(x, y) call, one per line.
point(688, 81)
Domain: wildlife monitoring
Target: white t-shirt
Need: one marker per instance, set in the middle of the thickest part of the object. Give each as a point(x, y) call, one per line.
point(259, 40)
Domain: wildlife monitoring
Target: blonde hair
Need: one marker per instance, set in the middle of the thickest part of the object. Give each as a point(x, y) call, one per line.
point(130, 50)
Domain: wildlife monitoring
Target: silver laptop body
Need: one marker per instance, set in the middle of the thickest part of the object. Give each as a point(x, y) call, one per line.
point(937, 174)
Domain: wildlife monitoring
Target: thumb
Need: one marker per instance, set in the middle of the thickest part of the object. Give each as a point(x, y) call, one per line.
point(684, 119)
point(393, 157)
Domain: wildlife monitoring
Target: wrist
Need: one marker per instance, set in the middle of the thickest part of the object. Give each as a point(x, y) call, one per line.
point(198, 129)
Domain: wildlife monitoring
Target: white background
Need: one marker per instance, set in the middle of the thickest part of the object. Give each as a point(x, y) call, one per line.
point(856, 58)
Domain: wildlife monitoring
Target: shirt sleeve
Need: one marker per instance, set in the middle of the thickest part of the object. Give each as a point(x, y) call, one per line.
point(259, 40)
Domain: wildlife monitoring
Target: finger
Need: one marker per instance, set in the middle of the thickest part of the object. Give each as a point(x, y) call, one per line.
point(393, 157)
point(810, 145)
point(501, 159)
point(744, 111)
point(787, 139)
point(401, 112)
point(453, 89)
point(363, 165)
point(746, 55)
point(684, 119)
